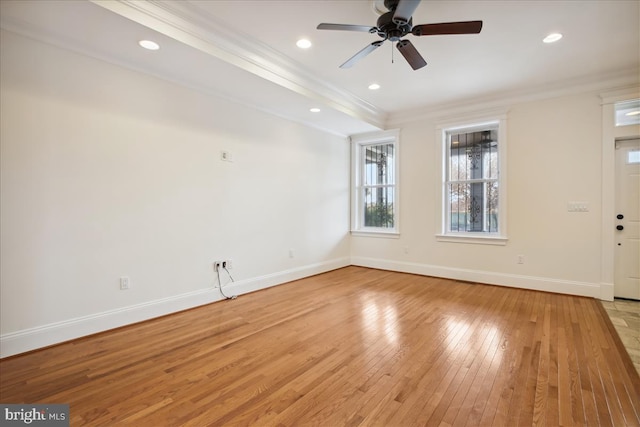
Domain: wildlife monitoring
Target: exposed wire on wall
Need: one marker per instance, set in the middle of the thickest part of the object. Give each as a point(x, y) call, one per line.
point(220, 283)
point(229, 273)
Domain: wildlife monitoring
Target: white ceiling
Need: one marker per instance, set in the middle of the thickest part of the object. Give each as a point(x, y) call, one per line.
point(245, 50)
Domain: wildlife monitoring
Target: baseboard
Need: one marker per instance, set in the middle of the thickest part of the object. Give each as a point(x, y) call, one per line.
point(55, 333)
point(268, 280)
point(545, 284)
point(606, 291)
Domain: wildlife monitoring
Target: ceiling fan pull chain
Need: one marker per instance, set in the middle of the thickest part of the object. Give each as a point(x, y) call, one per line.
point(392, 52)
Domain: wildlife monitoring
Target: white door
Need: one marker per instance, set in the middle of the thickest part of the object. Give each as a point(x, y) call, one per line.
point(627, 250)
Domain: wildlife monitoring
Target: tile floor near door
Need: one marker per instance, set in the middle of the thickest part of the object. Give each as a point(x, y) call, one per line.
point(625, 316)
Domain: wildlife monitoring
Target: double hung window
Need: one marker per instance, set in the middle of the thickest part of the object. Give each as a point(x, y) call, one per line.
point(375, 195)
point(473, 200)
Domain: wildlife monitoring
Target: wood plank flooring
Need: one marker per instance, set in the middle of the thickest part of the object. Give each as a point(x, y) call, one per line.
point(351, 347)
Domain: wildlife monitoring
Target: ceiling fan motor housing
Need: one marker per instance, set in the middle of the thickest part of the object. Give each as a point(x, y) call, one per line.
point(388, 29)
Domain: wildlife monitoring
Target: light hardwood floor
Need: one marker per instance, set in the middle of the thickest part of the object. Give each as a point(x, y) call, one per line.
point(350, 347)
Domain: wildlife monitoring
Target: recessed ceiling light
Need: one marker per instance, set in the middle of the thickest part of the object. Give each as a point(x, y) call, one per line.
point(374, 86)
point(314, 110)
point(552, 38)
point(148, 44)
point(303, 44)
point(633, 113)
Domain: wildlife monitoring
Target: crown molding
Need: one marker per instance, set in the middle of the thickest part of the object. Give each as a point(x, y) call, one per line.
point(504, 100)
point(621, 94)
point(30, 31)
point(191, 26)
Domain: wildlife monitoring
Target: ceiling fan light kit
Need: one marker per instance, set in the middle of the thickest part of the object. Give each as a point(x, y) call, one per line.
point(398, 23)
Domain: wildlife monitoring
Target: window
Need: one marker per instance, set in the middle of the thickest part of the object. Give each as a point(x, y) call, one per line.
point(375, 193)
point(473, 181)
point(627, 112)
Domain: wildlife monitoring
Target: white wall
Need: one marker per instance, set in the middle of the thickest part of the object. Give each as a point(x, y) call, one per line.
point(554, 156)
point(106, 172)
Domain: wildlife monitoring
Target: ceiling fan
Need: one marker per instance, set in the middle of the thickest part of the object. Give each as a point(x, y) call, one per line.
point(397, 23)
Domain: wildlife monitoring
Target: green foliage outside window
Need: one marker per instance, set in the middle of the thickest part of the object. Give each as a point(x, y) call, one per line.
point(378, 215)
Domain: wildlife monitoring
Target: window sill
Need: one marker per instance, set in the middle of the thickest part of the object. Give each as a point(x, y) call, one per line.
point(371, 233)
point(472, 239)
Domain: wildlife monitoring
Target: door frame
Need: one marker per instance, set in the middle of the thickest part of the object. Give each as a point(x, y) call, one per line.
point(609, 135)
point(625, 170)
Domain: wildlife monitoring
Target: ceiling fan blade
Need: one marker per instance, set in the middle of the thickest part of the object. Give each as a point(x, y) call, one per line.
point(404, 11)
point(364, 52)
point(347, 27)
point(463, 27)
point(411, 54)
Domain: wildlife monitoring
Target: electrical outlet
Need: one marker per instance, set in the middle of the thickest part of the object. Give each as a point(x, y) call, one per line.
point(227, 264)
point(217, 265)
point(520, 259)
point(125, 283)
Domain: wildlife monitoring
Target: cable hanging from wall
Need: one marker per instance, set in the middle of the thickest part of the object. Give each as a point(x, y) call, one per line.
point(217, 267)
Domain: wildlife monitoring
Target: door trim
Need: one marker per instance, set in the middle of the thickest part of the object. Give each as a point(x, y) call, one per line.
point(609, 135)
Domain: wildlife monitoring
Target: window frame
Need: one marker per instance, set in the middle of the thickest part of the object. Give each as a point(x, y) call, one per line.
point(358, 143)
point(444, 234)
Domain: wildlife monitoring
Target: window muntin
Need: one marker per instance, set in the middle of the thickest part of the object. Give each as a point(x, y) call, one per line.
point(472, 184)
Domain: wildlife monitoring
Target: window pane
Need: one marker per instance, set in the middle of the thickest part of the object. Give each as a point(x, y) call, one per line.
point(473, 155)
point(379, 164)
point(491, 215)
point(378, 207)
point(458, 202)
point(473, 207)
point(490, 161)
point(628, 113)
